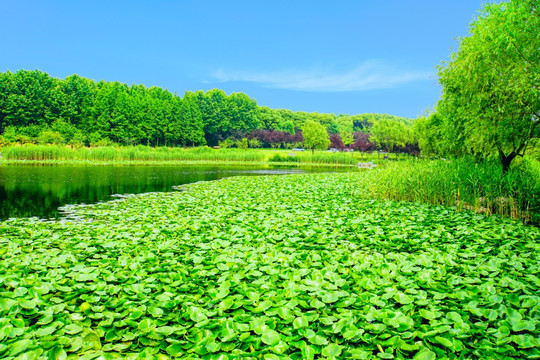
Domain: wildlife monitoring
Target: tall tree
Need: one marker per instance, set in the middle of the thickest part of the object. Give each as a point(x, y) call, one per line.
point(80, 96)
point(490, 85)
point(194, 128)
point(27, 98)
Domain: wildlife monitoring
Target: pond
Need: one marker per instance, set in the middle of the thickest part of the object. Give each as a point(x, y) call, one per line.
point(31, 190)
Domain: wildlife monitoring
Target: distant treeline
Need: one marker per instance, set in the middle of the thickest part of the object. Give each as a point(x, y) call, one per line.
point(35, 107)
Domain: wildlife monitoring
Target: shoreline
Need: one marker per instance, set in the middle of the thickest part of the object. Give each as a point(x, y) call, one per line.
point(173, 163)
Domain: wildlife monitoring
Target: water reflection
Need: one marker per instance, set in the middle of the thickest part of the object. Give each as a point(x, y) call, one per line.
point(29, 190)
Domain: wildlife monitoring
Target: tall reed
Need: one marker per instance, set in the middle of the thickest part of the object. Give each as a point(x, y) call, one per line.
point(129, 153)
point(145, 153)
point(463, 183)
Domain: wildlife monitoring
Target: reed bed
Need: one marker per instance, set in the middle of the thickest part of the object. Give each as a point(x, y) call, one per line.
point(46, 153)
point(463, 183)
point(131, 153)
point(317, 158)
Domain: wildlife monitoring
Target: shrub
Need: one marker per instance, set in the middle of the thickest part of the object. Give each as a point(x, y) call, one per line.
point(50, 137)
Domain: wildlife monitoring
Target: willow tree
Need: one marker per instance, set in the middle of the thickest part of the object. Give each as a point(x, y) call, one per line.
point(491, 85)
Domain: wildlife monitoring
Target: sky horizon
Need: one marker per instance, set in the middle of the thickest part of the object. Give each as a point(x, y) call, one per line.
point(347, 57)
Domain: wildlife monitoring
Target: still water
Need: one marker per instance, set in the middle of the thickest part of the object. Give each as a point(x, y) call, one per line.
point(30, 190)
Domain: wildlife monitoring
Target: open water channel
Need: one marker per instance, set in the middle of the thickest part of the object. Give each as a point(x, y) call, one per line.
point(31, 190)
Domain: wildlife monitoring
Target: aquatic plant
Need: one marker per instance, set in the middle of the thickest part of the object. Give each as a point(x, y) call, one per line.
point(282, 267)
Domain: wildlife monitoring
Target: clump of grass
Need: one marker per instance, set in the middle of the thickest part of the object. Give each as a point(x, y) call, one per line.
point(463, 183)
point(334, 158)
point(284, 158)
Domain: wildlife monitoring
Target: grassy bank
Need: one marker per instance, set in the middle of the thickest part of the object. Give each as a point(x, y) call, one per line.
point(284, 267)
point(52, 153)
point(463, 183)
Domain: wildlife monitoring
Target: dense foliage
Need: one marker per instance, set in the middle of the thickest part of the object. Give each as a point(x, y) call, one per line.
point(490, 104)
point(464, 183)
point(35, 107)
point(296, 267)
point(315, 136)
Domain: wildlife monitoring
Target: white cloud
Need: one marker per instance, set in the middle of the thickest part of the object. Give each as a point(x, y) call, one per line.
point(367, 76)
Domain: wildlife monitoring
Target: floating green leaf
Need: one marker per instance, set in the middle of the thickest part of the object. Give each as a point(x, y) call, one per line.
point(142, 277)
point(270, 337)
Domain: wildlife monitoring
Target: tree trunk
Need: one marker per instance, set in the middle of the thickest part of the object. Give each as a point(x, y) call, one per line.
point(312, 151)
point(506, 160)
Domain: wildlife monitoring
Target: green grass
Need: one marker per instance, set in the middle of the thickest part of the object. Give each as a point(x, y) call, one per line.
point(465, 184)
point(278, 267)
point(60, 153)
point(133, 153)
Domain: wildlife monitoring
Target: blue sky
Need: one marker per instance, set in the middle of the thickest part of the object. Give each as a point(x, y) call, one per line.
point(328, 56)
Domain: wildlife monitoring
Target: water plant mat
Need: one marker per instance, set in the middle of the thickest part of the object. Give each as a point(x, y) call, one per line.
point(276, 267)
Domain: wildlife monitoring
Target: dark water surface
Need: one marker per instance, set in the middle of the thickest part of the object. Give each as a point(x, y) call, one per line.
point(32, 190)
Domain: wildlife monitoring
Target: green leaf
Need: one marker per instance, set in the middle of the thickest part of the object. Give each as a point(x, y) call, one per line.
point(332, 350)
point(47, 319)
point(58, 353)
point(91, 341)
point(30, 355)
point(403, 298)
point(308, 352)
point(521, 325)
point(28, 304)
point(155, 311)
point(72, 329)
point(429, 315)
point(318, 340)
point(175, 350)
point(6, 304)
point(44, 331)
point(270, 337)
point(445, 342)
point(525, 341)
point(146, 325)
point(425, 354)
point(330, 298)
point(20, 346)
point(300, 323)
point(165, 330)
point(196, 314)
point(226, 304)
point(317, 304)
point(212, 346)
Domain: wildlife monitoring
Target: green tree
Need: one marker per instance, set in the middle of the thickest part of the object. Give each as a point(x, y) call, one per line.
point(243, 113)
point(315, 136)
point(490, 85)
point(388, 133)
point(345, 126)
point(50, 137)
point(193, 121)
point(270, 118)
point(80, 94)
point(26, 97)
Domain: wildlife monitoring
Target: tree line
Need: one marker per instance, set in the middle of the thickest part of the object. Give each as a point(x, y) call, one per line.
point(35, 107)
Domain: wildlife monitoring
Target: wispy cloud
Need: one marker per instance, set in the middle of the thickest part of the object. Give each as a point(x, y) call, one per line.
point(367, 76)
